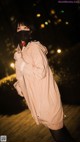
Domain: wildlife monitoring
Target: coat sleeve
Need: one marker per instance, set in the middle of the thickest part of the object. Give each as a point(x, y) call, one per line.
point(18, 88)
point(20, 84)
point(39, 66)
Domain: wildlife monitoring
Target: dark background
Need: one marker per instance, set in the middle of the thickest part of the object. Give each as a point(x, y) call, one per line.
point(55, 34)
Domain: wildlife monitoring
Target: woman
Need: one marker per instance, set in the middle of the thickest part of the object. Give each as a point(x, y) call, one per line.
point(35, 82)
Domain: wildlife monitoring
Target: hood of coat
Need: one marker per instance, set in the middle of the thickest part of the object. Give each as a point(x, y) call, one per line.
point(42, 47)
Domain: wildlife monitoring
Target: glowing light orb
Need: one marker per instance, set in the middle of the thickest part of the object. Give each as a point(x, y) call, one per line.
point(42, 26)
point(46, 23)
point(66, 22)
point(12, 65)
point(38, 15)
point(58, 50)
point(52, 11)
point(59, 20)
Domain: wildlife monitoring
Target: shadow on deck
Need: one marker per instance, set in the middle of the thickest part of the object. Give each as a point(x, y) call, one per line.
point(22, 128)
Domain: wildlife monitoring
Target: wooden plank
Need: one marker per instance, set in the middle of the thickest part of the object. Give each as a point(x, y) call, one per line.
point(21, 127)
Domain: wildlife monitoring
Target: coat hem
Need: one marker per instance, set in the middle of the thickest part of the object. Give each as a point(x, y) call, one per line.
point(55, 126)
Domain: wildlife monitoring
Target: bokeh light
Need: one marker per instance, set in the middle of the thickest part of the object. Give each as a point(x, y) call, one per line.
point(67, 23)
point(59, 20)
point(38, 15)
point(52, 11)
point(46, 23)
point(59, 51)
point(12, 65)
point(42, 26)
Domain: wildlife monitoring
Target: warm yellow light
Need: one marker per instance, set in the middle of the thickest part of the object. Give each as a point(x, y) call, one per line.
point(58, 50)
point(46, 23)
point(8, 78)
point(42, 25)
point(38, 15)
point(52, 11)
point(59, 20)
point(12, 65)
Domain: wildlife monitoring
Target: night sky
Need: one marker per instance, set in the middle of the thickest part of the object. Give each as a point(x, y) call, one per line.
point(54, 23)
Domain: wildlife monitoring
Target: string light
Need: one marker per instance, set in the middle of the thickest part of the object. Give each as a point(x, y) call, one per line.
point(66, 22)
point(12, 65)
point(38, 15)
point(5, 79)
point(59, 51)
point(42, 26)
point(52, 11)
point(59, 20)
point(46, 23)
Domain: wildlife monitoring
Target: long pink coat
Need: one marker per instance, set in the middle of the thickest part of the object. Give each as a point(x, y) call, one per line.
point(36, 84)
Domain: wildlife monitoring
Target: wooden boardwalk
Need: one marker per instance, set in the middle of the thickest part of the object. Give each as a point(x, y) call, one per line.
point(22, 128)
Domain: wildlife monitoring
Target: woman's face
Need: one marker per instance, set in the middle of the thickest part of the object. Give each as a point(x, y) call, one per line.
point(22, 27)
point(23, 34)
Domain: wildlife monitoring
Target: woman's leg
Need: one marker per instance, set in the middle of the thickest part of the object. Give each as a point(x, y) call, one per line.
point(62, 135)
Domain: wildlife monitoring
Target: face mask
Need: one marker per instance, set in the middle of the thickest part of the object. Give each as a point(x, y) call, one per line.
point(23, 36)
